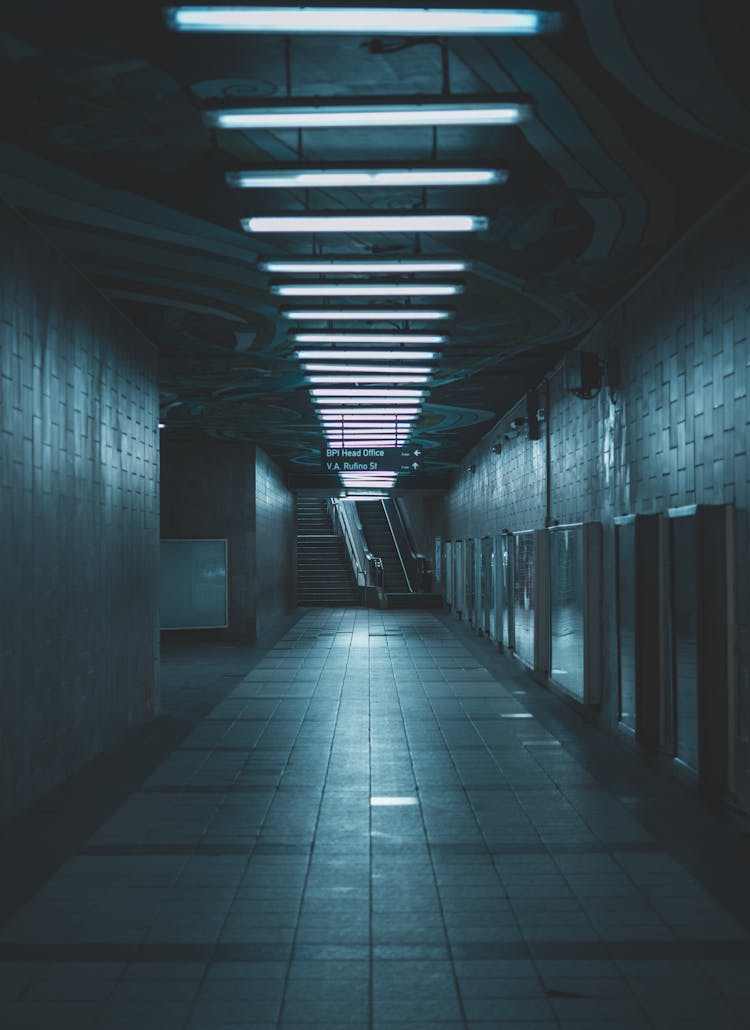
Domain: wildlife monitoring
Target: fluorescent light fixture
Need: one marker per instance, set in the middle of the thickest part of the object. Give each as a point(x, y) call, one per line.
point(363, 377)
point(423, 339)
point(402, 266)
point(354, 397)
point(371, 369)
point(395, 112)
point(368, 411)
point(404, 314)
point(367, 289)
point(343, 442)
point(361, 495)
point(363, 21)
point(389, 394)
point(355, 421)
point(388, 426)
point(355, 223)
point(362, 355)
point(357, 178)
point(368, 429)
point(371, 434)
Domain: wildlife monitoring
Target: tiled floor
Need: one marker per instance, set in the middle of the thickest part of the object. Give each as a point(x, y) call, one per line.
point(372, 830)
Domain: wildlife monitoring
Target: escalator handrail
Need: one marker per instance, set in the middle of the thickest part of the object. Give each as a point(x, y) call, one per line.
point(398, 549)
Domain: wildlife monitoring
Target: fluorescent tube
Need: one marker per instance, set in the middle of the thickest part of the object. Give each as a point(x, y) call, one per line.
point(381, 370)
point(389, 394)
point(356, 377)
point(392, 336)
point(363, 21)
point(334, 354)
point(355, 419)
point(396, 112)
point(347, 266)
point(367, 289)
point(356, 178)
point(364, 223)
point(354, 397)
point(395, 412)
point(367, 314)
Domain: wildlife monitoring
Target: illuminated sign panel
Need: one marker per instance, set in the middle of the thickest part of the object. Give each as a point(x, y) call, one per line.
point(371, 459)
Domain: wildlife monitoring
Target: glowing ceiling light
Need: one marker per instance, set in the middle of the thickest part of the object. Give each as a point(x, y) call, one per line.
point(353, 367)
point(366, 421)
point(356, 398)
point(364, 378)
point(351, 436)
point(389, 427)
point(357, 178)
point(367, 289)
point(356, 223)
point(366, 434)
point(366, 444)
point(373, 409)
point(388, 394)
point(414, 314)
point(358, 20)
point(396, 112)
point(362, 355)
point(387, 337)
point(357, 267)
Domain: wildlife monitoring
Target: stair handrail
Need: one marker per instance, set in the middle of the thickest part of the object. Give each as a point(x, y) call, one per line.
point(341, 527)
point(348, 516)
point(421, 564)
point(407, 577)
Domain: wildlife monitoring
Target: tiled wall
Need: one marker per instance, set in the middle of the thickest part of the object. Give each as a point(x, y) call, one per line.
point(676, 433)
point(233, 490)
point(274, 543)
point(208, 492)
point(79, 470)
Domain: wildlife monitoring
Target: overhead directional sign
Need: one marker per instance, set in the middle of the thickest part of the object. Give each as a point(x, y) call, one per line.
point(371, 459)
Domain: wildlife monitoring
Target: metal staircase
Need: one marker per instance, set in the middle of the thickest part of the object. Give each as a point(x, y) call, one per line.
point(324, 573)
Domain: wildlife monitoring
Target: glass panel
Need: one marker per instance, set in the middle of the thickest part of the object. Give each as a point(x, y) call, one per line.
point(566, 608)
point(506, 557)
point(488, 612)
point(626, 616)
point(448, 572)
point(478, 582)
point(523, 596)
point(469, 575)
point(458, 574)
point(193, 584)
point(684, 608)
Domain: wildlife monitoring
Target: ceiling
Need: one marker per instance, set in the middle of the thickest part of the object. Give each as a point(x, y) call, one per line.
point(641, 121)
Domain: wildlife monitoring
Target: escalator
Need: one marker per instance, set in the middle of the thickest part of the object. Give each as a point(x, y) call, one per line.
point(399, 576)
